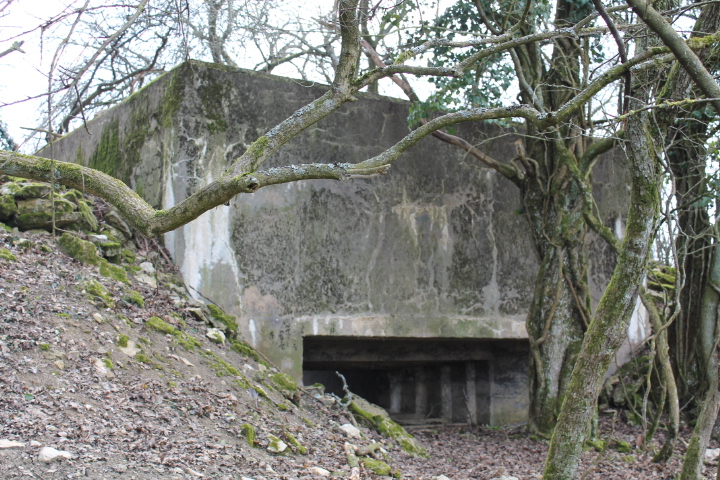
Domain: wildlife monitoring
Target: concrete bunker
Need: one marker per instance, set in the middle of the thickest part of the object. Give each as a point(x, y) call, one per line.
point(436, 254)
point(426, 380)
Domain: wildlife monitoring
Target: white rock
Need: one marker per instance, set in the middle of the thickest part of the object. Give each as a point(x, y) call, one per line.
point(276, 445)
point(49, 455)
point(102, 369)
point(131, 350)
point(148, 280)
point(192, 472)
point(351, 430)
point(148, 268)
point(216, 335)
point(246, 478)
point(35, 443)
point(504, 477)
point(98, 318)
point(5, 443)
point(712, 454)
point(440, 477)
point(319, 471)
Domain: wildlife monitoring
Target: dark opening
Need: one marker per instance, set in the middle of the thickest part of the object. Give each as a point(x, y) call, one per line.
point(417, 380)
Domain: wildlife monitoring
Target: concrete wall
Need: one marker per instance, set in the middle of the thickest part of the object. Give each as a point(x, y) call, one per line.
point(436, 248)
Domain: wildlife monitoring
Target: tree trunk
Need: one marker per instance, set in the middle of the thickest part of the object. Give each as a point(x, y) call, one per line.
point(708, 338)
point(610, 321)
point(560, 306)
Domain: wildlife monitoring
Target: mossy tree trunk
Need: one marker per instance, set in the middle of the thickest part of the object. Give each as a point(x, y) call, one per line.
point(560, 308)
point(610, 321)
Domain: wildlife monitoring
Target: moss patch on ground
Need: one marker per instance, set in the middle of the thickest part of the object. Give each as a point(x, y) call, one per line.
point(230, 322)
point(135, 298)
point(157, 324)
point(6, 254)
point(378, 467)
point(96, 290)
point(378, 419)
point(79, 249)
point(248, 431)
point(247, 351)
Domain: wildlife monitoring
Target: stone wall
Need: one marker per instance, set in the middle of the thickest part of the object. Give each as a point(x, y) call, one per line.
point(438, 248)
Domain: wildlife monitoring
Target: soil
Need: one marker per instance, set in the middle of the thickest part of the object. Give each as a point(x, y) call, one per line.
point(174, 413)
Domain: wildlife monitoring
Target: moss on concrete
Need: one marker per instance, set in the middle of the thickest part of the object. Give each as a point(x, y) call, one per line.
point(107, 156)
point(6, 254)
point(377, 418)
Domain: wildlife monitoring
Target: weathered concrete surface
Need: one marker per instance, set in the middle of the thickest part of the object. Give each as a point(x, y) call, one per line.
point(436, 248)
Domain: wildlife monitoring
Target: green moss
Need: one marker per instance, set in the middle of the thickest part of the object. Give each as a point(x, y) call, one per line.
point(79, 249)
point(73, 195)
point(34, 190)
point(5, 228)
point(220, 366)
point(142, 358)
point(6, 254)
point(44, 347)
point(127, 255)
point(213, 93)
point(276, 446)
point(174, 94)
point(247, 351)
point(97, 291)
point(241, 383)
point(64, 315)
point(378, 419)
point(248, 431)
point(256, 150)
point(115, 272)
point(8, 207)
point(285, 384)
point(123, 341)
point(231, 326)
point(293, 441)
point(188, 342)
point(172, 384)
point(107, 156)
point(378, 467)
point(282, 407)
point(597, 444)
point(90, 222)
point(33, 220)
point(108, 363)
point(135, 298)
point(159, 325)
point(260, 391)
point(308, 422)
point(622, 447)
